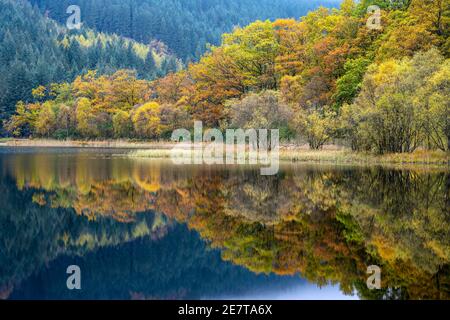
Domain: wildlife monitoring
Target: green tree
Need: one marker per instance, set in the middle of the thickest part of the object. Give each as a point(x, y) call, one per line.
point(402, 106)
point(123, 127)
point(316, 127)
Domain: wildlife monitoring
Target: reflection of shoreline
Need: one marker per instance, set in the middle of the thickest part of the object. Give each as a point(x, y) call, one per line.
point(115, 144)
point(323, 223)
point(331, 154)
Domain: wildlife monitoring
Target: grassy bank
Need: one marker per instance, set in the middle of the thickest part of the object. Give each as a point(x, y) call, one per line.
point(114, 144)
point(330, 154)
point(5, 140)
point(348, 157)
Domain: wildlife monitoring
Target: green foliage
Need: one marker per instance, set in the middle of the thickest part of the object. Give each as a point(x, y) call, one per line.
point(318, 128)
point(400, 108)
point(352, 231)
point(123, 127)
point(348, 86)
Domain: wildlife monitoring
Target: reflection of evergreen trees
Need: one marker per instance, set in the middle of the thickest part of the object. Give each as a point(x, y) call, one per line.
point(33, 235)
point(177, 266)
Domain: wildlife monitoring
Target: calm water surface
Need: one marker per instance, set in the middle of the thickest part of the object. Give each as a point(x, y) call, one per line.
point(147, 229)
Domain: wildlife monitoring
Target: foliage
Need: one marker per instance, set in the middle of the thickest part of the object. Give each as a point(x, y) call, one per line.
point(400, 108)
point(317, 128)
point(146, 121)
point(259, 111)
point(36, 52)
point(336, 80)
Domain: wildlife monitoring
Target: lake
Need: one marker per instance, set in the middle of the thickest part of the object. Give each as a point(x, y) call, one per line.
point(149, 229)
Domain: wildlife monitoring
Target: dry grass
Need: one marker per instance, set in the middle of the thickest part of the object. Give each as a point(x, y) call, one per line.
point(330, 154)
point(348, 157)
point(425, 158)
point(156, 154)
point(5, 140)
point(119, 144)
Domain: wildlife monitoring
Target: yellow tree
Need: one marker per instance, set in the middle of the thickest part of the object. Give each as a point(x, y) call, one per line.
point(244, 62)
point(146, 120)
point(125, 90)
point(46, 122)
point(86, 120)
point(24, 121)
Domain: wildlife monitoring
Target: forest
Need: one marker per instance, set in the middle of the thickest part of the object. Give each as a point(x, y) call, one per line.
point(187, 27)
point(37, 51)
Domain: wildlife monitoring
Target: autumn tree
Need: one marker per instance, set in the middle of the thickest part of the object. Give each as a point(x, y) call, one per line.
point(146, 120)
point(316, 127)
point(393, 111)
point(122, 125)
point(46, 122)
point(86, 119)
point(260, 111)
point(23, 123)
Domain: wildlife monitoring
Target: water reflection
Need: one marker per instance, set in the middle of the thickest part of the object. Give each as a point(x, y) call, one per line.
point(164, 231)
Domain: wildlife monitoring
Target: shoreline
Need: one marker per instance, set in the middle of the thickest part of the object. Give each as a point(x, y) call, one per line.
point(331, 154)
point(101, 144)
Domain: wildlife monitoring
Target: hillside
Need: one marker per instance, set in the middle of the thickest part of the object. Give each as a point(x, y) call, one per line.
point(37, 51)
point(186, 26)
point(327, 77)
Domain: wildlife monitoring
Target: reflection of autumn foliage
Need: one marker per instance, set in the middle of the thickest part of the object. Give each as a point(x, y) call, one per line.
point(327, 225)
point(120, 201)
point(304, 238)
point(5, 291)
point(331, 226)
point(94, 188)
point(405, 220)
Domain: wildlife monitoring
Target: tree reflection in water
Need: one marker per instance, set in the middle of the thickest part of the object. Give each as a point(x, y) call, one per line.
point(325, 224)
